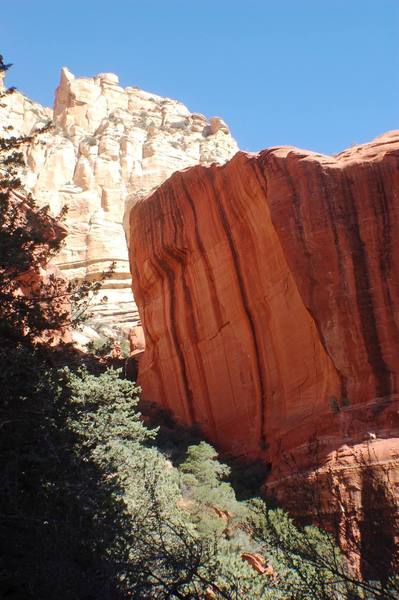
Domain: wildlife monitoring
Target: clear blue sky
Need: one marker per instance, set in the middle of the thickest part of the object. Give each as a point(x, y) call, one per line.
point(319, 74)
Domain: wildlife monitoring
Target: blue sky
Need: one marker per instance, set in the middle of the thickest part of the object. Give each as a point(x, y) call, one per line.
point(318, 74)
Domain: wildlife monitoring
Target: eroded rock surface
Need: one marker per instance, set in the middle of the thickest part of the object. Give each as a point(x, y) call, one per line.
point(268, 291)
point(109, 147)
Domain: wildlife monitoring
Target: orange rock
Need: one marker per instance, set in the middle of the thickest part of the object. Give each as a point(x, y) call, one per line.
point(256, 561)
point(268, 294)
point(136, 340)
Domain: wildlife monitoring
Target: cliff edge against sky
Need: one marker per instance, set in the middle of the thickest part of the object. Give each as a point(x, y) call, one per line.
point(109, 146)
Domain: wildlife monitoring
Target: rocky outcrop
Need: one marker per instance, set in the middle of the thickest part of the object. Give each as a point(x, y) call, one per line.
point(109, 146)
point(258, 563)
point(268, 291)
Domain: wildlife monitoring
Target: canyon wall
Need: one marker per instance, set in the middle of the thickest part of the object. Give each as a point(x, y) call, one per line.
point(109, 146)
point(268, 291)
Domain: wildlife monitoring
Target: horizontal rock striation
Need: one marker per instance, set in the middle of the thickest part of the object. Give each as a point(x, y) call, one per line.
point(268, 291)
point(109, 146)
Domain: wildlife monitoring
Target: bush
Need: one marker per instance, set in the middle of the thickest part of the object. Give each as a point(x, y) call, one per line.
point(307, 562)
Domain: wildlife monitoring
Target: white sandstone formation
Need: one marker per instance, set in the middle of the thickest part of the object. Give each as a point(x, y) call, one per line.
point(109, 147)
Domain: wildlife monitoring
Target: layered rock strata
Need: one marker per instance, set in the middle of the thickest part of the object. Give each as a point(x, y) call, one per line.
point(109, 146)
point(269, 294)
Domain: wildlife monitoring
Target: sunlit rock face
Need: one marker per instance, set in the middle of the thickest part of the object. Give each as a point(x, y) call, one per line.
point(269, 295)
point(109, 147)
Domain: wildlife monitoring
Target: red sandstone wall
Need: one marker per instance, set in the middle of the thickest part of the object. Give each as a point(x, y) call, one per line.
point(268, 291)
point(269, 294)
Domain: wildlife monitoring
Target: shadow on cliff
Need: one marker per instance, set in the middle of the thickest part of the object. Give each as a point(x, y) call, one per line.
point(379, 522)
point(58, 515)
point(173, 439)
point(357, 505)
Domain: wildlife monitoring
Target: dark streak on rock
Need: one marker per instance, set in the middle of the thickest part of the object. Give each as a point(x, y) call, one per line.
point(364, 296)
point(250, 319)
point(311, 305)
point(170, 276)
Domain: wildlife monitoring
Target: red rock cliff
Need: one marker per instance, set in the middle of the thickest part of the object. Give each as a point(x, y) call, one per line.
point(268, 291)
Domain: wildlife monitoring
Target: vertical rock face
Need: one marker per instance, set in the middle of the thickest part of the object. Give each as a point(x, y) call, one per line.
point(109, 147)
point(268, 290)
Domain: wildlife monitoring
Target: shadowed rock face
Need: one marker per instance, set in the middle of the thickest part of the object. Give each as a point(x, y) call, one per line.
point(268, 291)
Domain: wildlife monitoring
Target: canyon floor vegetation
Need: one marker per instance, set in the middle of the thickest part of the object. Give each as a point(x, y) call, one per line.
point(96, 502)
